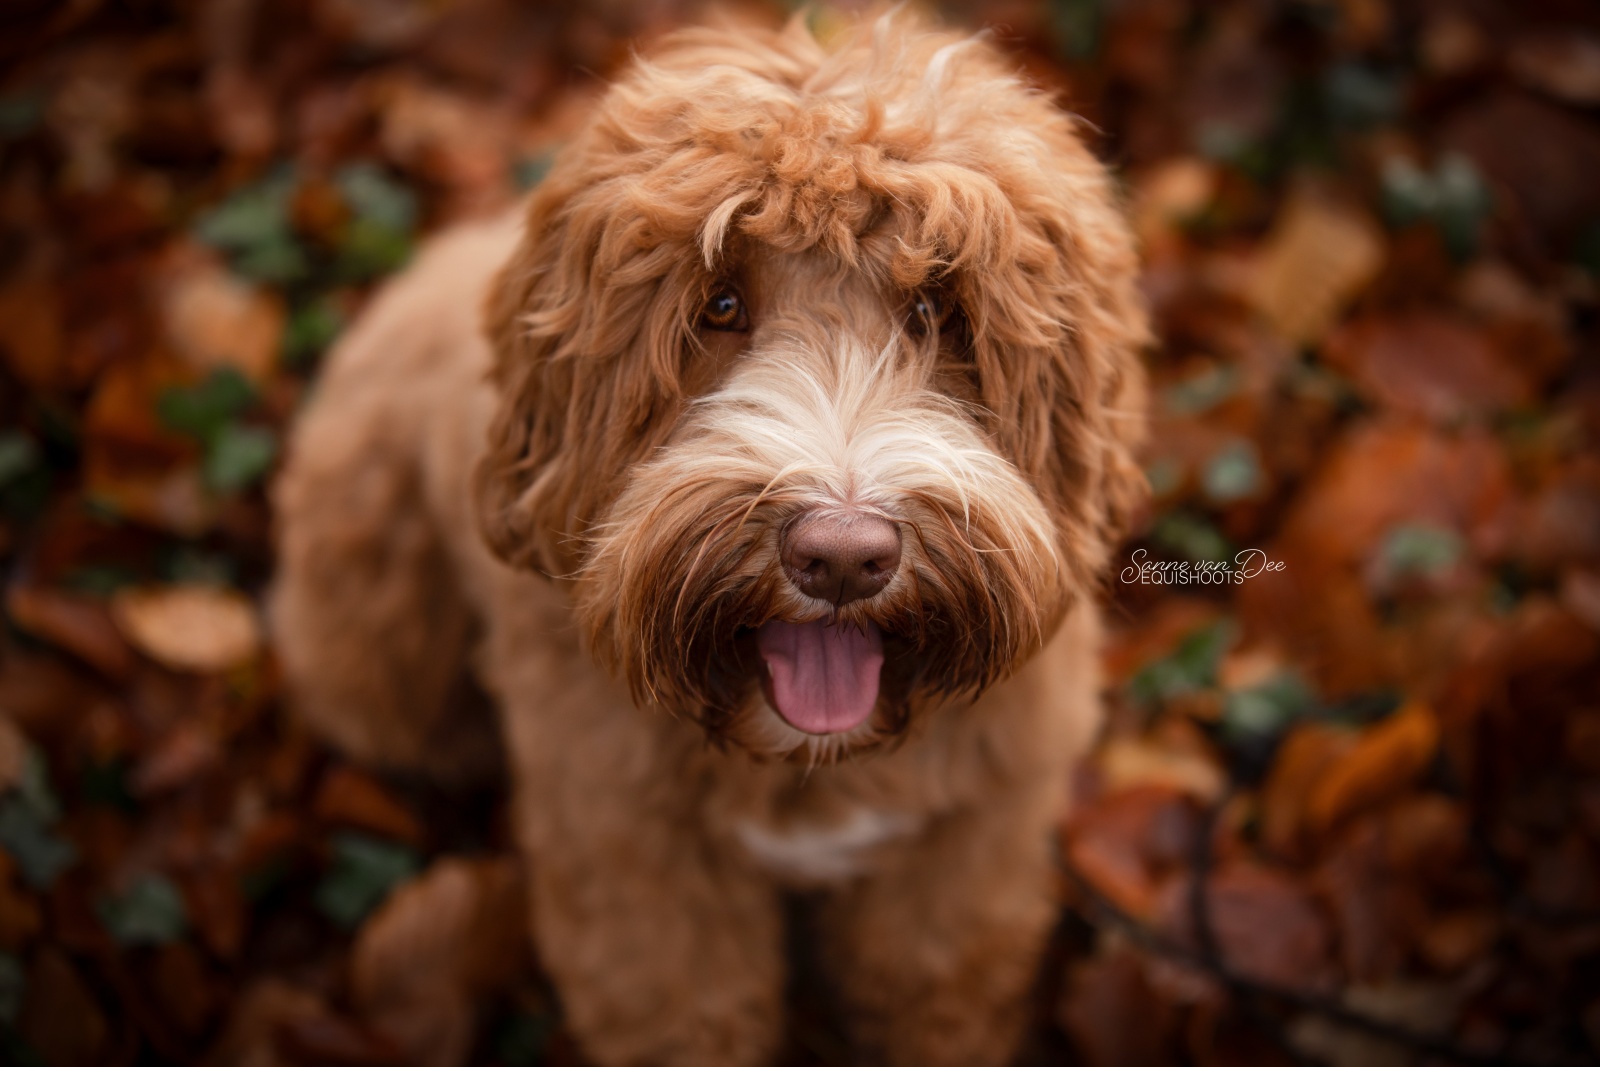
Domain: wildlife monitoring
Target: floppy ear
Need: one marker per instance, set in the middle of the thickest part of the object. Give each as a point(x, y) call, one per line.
point(1059, 330)
point(587, 323)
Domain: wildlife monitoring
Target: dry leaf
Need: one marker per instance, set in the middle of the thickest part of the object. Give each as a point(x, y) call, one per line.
point(216, 319)
point(1114, 1016)
point(1264, 923)
point(189, 628)
point(1563, 63)
point(78, 624)
point(1428, 364)
point(1385, 761)
point(60, 1018)
point(351, 798)
point(1126, 762)
point(1319, 256)
point(1301, 761)
point(1126, 844)
point(435, 949)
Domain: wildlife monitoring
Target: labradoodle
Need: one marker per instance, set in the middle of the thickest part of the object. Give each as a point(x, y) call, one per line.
point(761, 472)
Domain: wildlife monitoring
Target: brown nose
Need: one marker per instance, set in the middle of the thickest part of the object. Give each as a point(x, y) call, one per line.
point(841, 556)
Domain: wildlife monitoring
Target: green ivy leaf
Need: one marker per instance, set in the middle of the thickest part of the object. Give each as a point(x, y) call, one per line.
point(237, 457)
point(254, 228)
point(1189, 668)
point(1190, 537)
point(311, 329)
point(1266, 710)
point(19, 455)
point(40, 854)
point(201, 411)
point(1420, 550)
point(1234, 473)
point(363, 872)
point(150, 912)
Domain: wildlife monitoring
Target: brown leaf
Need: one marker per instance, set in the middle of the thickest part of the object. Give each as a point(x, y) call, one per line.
point(20, 919)
point(1318, 257)
point(249, 1038)
point(1455, 940)
point(189, 628)
point(1264, 923)
point(1386, 761)
point(1376, 911)
point(30, 331)
point(1302, 760)
point(79, 624)
point(188, 992)
point(1429, 364)
point(351, 798)
point(1113, 1015)
point(1127, 843)
point(218, 909)
point(1563, 63)
point(182, 755)
point(215, 319)
point(435, 949)
point(13, 752)
point(329, 1041)
point(60, 1017)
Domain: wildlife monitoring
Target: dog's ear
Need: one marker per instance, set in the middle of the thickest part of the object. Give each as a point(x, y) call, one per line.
point(586, 323)
point(1060, 329)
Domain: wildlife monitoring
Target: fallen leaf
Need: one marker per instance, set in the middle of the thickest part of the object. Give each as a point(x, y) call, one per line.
point(1302, 760)
point(1125, 762)
point(215, 319)
point(364, 871)
point(182, 755)
point(1317, 258)
point(189, 628)
point(1563, 63)
point(13, 753)
point(1453, 941)
point(436, 949)
point(1113, 1015)
point(1376, 912)
point(350, 798)
point(1264, 923)
point(1127, 844)
point(1426, 363)
point(80, 625)
point(1386, 760)
point(20, 917)
point(149, 912)
point(60, 1018)
point(249, 1037)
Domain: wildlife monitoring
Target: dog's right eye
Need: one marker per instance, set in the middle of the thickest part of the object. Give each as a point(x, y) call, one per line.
point(725, 310)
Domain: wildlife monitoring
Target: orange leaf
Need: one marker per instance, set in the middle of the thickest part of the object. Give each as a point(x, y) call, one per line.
point(1385, 762)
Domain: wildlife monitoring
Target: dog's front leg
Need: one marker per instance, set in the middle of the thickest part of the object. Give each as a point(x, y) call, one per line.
point(666, 950)
point(935, 952)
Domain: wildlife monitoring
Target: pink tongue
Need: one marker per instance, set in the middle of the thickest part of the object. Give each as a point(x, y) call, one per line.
point(824, 678)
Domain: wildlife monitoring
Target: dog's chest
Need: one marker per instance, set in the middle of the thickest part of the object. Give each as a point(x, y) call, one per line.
point(821, 853)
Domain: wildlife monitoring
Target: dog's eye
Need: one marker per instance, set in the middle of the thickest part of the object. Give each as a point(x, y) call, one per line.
point(725, 311)
point(931, 312)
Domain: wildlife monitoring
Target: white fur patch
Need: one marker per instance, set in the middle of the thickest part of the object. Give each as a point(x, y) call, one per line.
point(825, 854)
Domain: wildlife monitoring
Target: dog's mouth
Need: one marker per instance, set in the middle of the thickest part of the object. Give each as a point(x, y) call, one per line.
point(821, 678)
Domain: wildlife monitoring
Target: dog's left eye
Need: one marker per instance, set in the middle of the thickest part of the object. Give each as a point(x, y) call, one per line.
point(725, 311)
point(931, 312)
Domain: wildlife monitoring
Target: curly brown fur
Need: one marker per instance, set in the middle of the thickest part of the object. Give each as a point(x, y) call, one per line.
point(938, 334)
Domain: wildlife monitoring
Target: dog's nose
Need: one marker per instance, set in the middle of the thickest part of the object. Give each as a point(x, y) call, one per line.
point(840, 556)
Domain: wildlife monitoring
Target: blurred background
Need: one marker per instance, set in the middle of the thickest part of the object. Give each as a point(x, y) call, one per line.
point(1345, 814)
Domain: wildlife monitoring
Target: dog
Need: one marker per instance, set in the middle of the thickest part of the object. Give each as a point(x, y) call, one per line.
point(761, 472)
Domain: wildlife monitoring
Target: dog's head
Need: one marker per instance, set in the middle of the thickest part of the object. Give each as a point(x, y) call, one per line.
point(819, 378)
